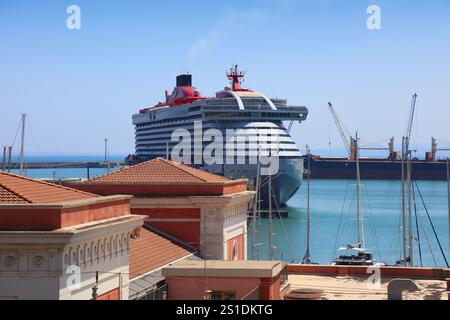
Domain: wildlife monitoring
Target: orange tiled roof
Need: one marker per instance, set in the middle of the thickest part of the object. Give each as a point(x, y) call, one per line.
point(7, 196)
point(20, 190)
point(152, 251)
point(158, 171)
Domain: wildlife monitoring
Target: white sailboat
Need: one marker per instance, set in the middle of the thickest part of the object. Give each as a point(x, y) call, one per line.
point(357, 254)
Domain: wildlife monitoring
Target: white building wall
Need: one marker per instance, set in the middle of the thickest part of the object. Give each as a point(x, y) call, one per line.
point(29, 272)
point(220, 224)
point(63, 265)
point(108, 255)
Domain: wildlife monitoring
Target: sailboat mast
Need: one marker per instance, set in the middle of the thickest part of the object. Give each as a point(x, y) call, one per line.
point(410, 226)
point(9, 158)
point(5, 148)
point(448, 201)
point(359, 218)
point(308, 208)
point(270, 218)
point(255, 208)
point(22, 145)
point(403, 209)
point(258, 220)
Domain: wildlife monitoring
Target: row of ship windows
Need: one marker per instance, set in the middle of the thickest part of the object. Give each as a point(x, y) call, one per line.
point(206, 125)
point(176, 124)
point(165, 122)
point(164, 150)
point(265, 115)
point(259, 132)
point(163, 137)
point(155, 144)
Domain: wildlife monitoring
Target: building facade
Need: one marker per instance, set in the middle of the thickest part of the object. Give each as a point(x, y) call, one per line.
point(206, 211)
point(226, 280)
point(59, 243)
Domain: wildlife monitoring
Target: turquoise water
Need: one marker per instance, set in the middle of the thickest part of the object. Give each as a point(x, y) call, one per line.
point(333, 217)
point(333, 222)
point(68, 158)
point(65, 173)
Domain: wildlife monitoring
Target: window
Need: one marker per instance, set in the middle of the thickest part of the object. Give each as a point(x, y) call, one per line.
point(235, 250)
point(223, 295)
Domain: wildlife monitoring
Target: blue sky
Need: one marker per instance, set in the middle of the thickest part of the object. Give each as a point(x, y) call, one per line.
point(80, 86)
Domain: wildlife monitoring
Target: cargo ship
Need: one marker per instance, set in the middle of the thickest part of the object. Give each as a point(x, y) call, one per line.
point(389, 168)
point(233, 108)
point(375, 169)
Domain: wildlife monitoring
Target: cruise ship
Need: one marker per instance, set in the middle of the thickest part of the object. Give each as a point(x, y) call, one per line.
point(236, 108)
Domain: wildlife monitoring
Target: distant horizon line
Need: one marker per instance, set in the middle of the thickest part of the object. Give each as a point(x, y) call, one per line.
point(325, 152)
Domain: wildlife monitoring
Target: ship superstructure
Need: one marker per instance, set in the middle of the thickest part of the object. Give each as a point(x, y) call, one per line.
point(233, 108)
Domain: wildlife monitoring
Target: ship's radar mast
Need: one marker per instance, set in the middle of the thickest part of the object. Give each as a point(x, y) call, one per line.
point(235, 77)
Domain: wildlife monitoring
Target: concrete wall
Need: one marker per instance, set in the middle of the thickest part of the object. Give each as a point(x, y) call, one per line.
point(193, 288)
point(110, 295)
point(45, 266)
point(270, 288)
point(219, 226)
point(111, 261)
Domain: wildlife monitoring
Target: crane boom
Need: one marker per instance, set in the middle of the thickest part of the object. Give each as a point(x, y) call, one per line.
point(409, 127)
point(340, 129)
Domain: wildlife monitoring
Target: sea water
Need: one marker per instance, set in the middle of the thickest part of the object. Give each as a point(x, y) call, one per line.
point(67, 173)
point(333, 218)
point(334, 223)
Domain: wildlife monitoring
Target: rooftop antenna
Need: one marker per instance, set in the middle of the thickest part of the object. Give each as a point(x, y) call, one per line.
point(22, 146)
point(5, 158)
point(106, 154)
point(9, 158)
point(235, 77)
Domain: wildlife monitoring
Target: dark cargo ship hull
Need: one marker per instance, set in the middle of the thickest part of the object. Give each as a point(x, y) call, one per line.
point(375, 169)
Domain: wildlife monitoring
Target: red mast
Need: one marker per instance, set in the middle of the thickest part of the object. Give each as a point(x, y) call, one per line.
point(235, 77)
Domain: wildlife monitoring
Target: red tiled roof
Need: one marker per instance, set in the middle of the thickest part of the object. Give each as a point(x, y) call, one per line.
point(158, 171)
point(20, 190)
point(152, 251)
point(7, 196)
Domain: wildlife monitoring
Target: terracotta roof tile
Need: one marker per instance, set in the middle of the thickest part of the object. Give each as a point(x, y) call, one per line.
point(16, 189)
point(7, 196)
point(152, 251)
point(158, 171)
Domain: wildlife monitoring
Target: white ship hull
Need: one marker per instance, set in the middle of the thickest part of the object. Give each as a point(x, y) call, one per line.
point(239, 110)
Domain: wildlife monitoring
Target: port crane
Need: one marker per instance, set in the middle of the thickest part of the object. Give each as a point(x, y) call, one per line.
point(350, 143)
point(342, 131)
point(406, 141)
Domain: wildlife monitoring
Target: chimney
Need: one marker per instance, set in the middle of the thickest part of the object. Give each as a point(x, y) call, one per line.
point(184, 80)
